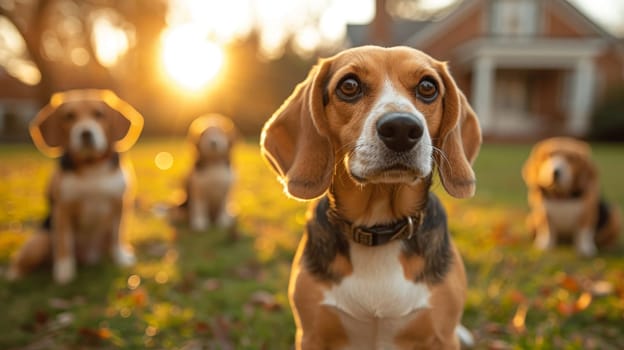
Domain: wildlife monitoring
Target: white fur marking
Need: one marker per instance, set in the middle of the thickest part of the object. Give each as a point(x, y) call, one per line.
point(100, 143)
point(371, 154)
point(465, 336)
point(64, 270)
point(99, 181)
point(376, 289)
point(584, 242)
point(546, 173)
point(563, 214)
point(123, 257)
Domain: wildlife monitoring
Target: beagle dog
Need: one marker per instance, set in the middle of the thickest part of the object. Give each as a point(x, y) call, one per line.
point(564, 197)
point(209, 183)
point(376, 268)
point(90, 190)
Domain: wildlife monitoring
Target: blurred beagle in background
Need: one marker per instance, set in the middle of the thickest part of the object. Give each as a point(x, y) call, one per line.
point(376, 268)
point(208, 185)
point(90, 191)
point(564, 197)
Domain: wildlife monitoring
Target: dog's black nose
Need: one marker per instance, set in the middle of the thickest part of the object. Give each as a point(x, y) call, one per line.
point(399, 131)
point(556, 174)
point(87, 137)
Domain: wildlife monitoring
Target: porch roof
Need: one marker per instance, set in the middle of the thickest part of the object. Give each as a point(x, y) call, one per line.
point(528, 52)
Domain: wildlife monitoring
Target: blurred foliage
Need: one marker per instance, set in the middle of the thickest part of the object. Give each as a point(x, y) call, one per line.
point(204, 290)
point(608, 118)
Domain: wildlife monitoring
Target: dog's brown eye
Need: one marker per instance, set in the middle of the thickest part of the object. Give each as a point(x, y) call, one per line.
point(70, 116)
point(349, 89)
point(427, 90)
point(98, 114)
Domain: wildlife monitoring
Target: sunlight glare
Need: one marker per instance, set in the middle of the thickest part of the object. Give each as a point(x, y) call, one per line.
point(189, 58)
point(13, 56)
point(110, 41)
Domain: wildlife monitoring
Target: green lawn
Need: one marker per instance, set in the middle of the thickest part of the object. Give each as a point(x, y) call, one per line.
point(191, 289)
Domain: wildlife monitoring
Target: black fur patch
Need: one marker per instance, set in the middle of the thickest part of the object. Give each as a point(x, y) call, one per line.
point(431, 241)
point(68, 164)
point(324, 243)
point(603, 215)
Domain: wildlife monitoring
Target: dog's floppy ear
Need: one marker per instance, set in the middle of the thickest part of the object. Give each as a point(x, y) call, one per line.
point(127, 122)
point(295, 141)
point(459, 140)
point(530, 169)
point(588, 174)
point(45, 130)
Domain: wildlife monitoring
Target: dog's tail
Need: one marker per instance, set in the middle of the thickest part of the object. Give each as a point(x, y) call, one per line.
point(465, 336)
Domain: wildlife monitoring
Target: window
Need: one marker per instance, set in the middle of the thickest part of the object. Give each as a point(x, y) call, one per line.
point(517, 18)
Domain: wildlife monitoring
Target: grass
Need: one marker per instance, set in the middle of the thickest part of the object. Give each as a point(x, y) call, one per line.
point(203, 290)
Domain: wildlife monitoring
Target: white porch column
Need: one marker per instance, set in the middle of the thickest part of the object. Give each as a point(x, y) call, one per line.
point(482, 91)
point(582, 97)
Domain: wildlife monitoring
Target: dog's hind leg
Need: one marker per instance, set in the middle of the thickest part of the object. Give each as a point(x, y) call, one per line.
point(33, 253)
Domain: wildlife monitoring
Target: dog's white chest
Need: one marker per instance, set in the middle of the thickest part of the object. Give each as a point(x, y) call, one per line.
point(563, 215)
point(95, 184)
point(376, 299)
point(214, 179)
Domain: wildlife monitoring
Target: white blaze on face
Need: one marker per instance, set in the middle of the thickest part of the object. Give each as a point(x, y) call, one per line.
point(555, 171)
point(371, 155)
point(78, 137)
point(213, 142)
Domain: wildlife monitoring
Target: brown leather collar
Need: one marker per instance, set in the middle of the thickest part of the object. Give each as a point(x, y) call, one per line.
point(379, 234)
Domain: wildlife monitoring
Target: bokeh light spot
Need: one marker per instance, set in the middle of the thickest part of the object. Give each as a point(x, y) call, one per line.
point(163, 160)
point(134, 281)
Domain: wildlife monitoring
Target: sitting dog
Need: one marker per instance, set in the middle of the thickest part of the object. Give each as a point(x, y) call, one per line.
point(376, 268)
point(209, 183)
point(90, 191)
point(564, 197)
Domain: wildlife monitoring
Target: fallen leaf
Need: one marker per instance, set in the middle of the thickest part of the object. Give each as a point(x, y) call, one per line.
point(265, 299)
point(211, 284)
point(518, 321)
point(583, 301)
point(565, 309)
point(569, 283)
point(601, 288)
point(518, 297)
point(498, 345)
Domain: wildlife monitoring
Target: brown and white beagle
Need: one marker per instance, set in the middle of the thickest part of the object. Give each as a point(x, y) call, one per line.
point(564, 197)
point(209, 183)
point(376, 268)
point(90, 190)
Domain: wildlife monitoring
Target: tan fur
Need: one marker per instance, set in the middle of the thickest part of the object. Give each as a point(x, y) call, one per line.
point(580, 210)
point(92, 200)
point(308, 142)
point(213, 137)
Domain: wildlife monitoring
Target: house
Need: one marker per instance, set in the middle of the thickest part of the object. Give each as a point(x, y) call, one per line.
point(18, 106)
point(531, 68)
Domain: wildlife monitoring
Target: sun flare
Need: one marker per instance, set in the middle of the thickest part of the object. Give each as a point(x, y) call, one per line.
point(190, 59)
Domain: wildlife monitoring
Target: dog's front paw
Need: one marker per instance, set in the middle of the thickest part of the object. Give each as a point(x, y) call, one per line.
point(64, 270)
point(199, 223)
point(123, 257)
point(585, 244)
point(225, 220)
point(543, 241)
point(13, 273)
